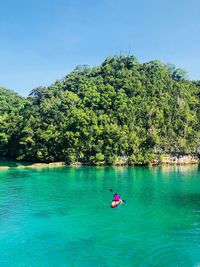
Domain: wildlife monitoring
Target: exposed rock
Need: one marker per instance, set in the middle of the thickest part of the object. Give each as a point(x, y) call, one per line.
point(155, 162)
point(57, 164)
point(182, 159)
point(4, 167)
point(43, 165)
point(76, 163)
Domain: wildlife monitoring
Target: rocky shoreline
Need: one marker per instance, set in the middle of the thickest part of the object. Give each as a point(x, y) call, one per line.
point(176, 160)
point(36, 165)
point(180, 160)
point(165, 160)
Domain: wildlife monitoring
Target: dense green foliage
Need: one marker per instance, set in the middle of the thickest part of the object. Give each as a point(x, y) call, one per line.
point(11, 121)
point(120, 110)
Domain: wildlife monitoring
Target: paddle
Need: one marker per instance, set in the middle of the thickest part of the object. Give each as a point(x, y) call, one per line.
point(122, 199)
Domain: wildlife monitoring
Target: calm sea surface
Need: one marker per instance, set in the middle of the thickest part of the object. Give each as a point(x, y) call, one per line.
point(61, 217)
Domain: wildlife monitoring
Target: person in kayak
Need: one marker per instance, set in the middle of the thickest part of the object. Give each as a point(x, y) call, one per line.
point(116, 201)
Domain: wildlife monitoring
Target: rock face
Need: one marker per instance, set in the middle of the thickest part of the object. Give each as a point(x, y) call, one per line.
point(42, 165)
point(36, 165)
point(56, 164)
point(181, 159)
point(76, 163)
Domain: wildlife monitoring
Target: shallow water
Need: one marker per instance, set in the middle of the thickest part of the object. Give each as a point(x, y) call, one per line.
point(61, 217)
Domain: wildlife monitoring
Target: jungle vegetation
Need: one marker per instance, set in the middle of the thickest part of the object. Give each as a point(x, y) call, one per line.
point(122, 109)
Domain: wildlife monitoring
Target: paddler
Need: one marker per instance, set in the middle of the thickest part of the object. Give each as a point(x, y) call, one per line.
point(116, 201)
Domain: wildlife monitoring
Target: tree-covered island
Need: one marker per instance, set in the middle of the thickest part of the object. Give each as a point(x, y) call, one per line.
point(122, 111)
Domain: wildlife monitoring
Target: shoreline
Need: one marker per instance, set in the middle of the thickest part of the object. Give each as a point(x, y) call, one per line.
point(36, 165)
point(166, 161)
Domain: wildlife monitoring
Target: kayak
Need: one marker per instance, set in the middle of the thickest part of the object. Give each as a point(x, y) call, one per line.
point(115, 204)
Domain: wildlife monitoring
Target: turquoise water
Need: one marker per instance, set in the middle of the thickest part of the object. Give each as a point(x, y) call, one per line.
point(61, 217)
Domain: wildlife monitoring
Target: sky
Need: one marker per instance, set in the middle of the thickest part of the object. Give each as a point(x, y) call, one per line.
point(41, 41)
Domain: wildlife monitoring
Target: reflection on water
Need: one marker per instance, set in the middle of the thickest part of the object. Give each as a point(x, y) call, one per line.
point(184, 169)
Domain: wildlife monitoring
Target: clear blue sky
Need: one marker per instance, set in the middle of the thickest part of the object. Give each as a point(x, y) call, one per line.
point(43, 40)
